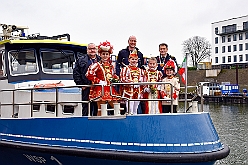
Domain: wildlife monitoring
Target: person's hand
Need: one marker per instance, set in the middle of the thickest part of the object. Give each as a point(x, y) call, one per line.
point(147, 90)
point(165, 97)
point(102, 82)
point(83, 88)
point(159, 87)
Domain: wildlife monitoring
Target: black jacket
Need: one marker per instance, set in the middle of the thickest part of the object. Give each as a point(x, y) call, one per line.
point(80, 69)
point(122, 58)
point(161, 63)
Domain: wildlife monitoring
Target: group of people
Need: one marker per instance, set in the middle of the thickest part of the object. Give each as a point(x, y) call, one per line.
point(96, 68)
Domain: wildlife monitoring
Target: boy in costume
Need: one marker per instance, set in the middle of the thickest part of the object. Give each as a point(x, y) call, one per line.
point(132, 74)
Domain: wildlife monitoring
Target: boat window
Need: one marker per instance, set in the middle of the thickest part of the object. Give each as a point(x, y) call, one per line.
point(22, 62)
point(57, 61)
point(1, 63)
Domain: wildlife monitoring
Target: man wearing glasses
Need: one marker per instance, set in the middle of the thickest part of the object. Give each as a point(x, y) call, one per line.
point(79, 71)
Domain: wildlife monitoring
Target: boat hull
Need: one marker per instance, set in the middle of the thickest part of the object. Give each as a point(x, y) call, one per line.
point(143, 139)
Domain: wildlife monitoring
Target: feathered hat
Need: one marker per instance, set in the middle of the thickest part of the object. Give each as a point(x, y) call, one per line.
point(170, 65)
point(105, 47)
point(133, 54)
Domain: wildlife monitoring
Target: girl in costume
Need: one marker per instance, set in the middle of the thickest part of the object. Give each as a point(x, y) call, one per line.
point(103, 73)
point(153, 91)
point(169, 69)
point(132, 74)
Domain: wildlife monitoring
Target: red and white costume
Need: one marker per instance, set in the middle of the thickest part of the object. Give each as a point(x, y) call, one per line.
point(102, 72)
point(153, 91)
point(166, 88)
point(132, 74)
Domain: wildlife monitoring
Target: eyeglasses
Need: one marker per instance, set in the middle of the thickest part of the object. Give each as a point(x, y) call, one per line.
point(92, 48)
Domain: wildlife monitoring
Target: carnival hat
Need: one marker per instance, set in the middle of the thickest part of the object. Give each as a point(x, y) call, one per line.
point(170, 65)
point(105, 47)
point(133, 54)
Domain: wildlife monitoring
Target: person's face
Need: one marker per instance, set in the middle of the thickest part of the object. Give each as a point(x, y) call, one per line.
point(133, 61)
point(152, 64)
point(104, 56)
point(163, 50)
point(132, 42)
point(91, 49)
point(169, 72)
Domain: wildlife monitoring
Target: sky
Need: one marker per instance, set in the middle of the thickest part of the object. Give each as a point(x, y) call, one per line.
point(152, 22)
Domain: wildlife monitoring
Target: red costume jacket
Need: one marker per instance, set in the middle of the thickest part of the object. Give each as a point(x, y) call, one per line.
point(101, 72)
point(131, 74)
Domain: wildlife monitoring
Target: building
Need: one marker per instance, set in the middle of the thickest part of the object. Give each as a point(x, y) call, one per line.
point(230, 43)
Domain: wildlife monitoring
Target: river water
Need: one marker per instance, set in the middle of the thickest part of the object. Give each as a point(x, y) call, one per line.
point(231, 123)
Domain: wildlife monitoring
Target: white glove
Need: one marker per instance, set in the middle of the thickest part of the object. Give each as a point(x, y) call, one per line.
point(136, 86)
point(159, 87)
point(103, 82)
point(166, 97)
point(147, 90)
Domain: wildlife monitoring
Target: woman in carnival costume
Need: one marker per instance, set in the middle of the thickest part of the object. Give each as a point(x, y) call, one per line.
point(169, 69)
point(153, 91)
point(132, 74)
point(103, 73)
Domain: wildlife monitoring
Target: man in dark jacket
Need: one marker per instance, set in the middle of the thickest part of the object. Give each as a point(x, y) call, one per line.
point(122, 58)
point(164, 57)
point(79, 71)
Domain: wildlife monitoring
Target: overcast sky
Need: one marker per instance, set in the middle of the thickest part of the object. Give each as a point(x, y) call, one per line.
point(152, 22)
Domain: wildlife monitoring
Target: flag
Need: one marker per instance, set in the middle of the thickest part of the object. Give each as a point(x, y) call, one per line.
point(182, 71)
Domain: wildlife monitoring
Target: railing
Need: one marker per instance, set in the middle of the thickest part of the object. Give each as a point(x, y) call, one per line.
point(31, 103)
point(57, 102)
point(144, 83)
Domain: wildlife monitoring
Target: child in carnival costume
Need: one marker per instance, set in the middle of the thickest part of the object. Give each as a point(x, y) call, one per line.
point(132, 74)
point(169, 69)
point(103, 73)
point(153, 91)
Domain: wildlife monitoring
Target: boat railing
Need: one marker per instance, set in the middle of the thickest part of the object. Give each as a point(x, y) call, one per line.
point(56, 102)
point(142, 99)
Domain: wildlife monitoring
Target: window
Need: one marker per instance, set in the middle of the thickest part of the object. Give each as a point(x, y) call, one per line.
point(223, 59)
point(216, 30)
point(246, 35)
point(229, 58)
point(216, 49)
point(240, 58)
point(216, 40)
point(57, 61)
point(235, 37)
point(234, 48)
point(229, 48)
point(216, 60)
point(229, 38)
point(245, 25)
point(22, 62)
point(235, 58)
point(223, 49)
point(223, 39)
point(240, 47)
point(240, 36)
point(246, 57)
point(246, 46)
point(229, 28)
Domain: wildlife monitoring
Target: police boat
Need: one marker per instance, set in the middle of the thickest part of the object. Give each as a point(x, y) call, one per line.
point(41, 118)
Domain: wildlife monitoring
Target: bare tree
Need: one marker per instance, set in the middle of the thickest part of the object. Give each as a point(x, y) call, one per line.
point(198, 48)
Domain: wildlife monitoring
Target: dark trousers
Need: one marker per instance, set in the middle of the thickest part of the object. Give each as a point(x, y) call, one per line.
point(93, 105)
point(167, 108)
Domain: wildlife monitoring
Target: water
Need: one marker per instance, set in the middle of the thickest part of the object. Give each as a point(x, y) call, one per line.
point(231, 123)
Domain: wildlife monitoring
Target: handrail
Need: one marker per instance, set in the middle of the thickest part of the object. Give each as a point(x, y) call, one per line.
point(145, 83)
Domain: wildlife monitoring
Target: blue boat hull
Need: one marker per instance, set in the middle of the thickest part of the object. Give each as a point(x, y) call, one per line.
point(143, 139)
